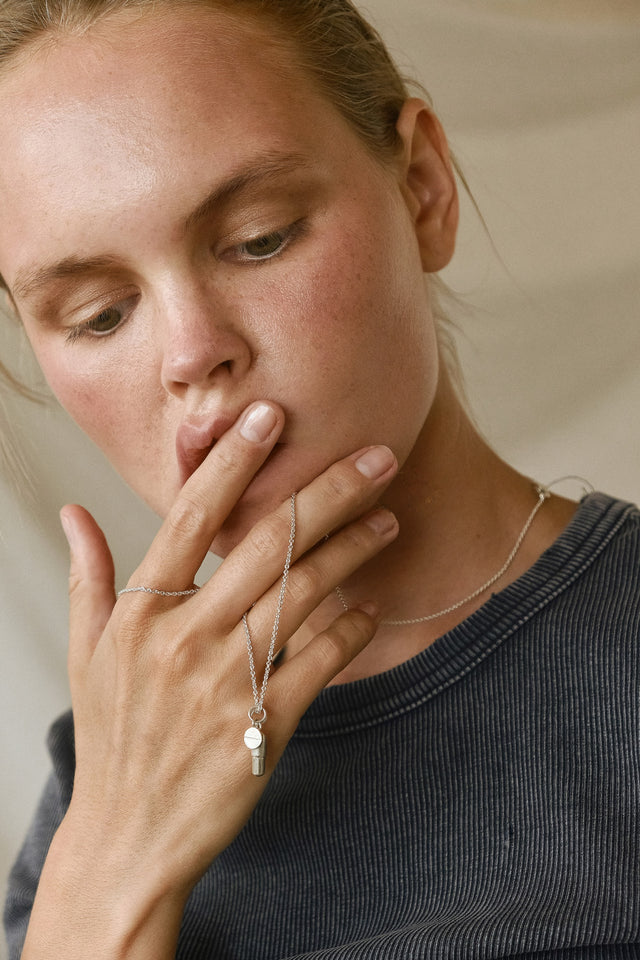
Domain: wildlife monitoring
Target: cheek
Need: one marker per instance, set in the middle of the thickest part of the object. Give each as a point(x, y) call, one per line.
point(107, 404)
point(356, 352)
point(366, 317)
point(380, 338)
point(124, 417)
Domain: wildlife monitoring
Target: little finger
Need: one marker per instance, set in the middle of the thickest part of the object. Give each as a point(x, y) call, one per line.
point(312, 578)
point(336, 497)
point(299, 680)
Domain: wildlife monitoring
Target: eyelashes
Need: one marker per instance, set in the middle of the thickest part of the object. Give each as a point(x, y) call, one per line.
point(105, 322)
point(266, 246)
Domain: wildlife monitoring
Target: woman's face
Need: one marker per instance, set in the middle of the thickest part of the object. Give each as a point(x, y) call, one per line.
point(185, 229)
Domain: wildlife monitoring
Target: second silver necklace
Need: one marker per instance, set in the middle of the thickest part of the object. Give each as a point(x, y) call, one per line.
point(543, 494)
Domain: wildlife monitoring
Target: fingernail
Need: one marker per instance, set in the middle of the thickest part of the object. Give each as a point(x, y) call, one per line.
point(375, 462)
point(258, 423)
point(381, 522)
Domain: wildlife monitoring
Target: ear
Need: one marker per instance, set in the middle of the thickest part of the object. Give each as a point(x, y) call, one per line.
point(428, 184)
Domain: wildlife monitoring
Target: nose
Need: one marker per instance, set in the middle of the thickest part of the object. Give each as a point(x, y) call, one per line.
point(202, 343)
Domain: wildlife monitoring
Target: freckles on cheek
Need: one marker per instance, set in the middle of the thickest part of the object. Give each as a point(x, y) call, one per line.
point(328, 302)
point(97, 405)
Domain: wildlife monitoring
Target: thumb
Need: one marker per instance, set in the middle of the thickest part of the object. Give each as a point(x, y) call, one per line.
point(91, 584)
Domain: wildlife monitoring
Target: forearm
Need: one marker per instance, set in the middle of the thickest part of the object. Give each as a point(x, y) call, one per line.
point(159, 691)
point(88, 907)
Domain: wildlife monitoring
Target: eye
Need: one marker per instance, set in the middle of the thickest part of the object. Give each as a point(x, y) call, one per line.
point(105, 322)
point(261, 248)
point(266, 246)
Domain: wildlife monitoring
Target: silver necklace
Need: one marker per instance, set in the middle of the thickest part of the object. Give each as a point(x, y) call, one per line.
point(254, 738)
point(543, 494)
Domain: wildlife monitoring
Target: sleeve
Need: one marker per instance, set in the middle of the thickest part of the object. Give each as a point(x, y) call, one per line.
point(24, 877)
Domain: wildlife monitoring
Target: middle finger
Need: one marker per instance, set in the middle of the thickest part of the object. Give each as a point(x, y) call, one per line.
point(344, 491)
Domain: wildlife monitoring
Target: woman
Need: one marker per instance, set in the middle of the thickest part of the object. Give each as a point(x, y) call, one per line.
point(217, 221)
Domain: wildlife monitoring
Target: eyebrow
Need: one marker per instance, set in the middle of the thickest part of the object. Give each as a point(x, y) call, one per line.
point(266, 170)
point(28, 281)
point(262, 171)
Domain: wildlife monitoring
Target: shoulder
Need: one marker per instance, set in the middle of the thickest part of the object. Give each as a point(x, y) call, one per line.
point(607, 537)
point(595, 563)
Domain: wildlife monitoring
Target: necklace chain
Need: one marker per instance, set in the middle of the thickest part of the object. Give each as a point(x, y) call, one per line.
point(257, 712)
point(543, 494)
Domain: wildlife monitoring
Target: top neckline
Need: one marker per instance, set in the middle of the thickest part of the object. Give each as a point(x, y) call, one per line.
point(345, 708)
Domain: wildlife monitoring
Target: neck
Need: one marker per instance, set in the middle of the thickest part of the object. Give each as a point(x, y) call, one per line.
point(460, 509)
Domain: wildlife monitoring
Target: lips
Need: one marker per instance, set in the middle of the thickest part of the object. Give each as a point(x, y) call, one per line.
point(194, 440)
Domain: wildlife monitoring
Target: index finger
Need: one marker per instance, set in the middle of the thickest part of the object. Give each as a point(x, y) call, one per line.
point(208, 497)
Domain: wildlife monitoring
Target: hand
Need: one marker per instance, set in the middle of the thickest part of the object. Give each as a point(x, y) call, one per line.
point(160, 686)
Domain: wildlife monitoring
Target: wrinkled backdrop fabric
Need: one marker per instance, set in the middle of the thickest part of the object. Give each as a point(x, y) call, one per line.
point(541, 101)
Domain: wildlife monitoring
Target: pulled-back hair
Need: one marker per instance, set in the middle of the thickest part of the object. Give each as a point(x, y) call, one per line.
point(342, 53)
point(332, 42)
point(336, 46)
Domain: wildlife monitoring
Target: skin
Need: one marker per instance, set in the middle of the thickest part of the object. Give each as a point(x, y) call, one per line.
point(208, 330)
point(331, 336)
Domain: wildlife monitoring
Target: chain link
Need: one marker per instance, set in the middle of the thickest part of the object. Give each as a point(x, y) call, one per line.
point(258, 698)
point(543, 494)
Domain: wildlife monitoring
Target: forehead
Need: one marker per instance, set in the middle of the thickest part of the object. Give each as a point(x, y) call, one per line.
point(134, 109)
point(154, 36)
point(155, 74)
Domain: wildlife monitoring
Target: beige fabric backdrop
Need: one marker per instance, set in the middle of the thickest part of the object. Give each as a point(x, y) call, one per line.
point(541, 99)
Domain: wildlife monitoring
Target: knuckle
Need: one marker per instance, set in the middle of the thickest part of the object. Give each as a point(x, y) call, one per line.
point(343, 638)
point(168, 658)
point(133, 629)
point(331, 653)
point(267, 538)
point(357, 536)
point(333, 646)
point(361, 625)
point(230, 457)
point(304, 582)
point(341, 485)
point(187, 517)
point(173, 658)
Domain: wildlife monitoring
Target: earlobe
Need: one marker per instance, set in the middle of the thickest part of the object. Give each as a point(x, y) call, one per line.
point(429, 184)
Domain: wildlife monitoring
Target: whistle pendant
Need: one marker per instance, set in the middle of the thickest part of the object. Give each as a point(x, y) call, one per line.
point(255, 740)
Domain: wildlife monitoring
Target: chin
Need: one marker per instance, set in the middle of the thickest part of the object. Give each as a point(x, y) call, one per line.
point(238, 524)
point(281, 475)
point(271, 487)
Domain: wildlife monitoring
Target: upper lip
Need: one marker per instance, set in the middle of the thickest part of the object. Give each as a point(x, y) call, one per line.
point(195, 438)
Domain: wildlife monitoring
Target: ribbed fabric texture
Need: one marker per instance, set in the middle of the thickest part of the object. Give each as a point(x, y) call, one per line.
point(481, 800)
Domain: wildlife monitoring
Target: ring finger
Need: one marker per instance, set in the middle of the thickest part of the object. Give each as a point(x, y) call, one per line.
point(316, 574)
point(346, 489)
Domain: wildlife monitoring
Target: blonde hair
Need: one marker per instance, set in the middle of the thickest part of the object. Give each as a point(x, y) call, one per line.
point(336, 47)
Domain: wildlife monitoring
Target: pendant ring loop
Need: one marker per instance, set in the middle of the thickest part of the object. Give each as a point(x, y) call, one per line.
point(257, 715)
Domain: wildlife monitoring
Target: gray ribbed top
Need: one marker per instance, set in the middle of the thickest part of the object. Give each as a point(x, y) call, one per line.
point(481, 800)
